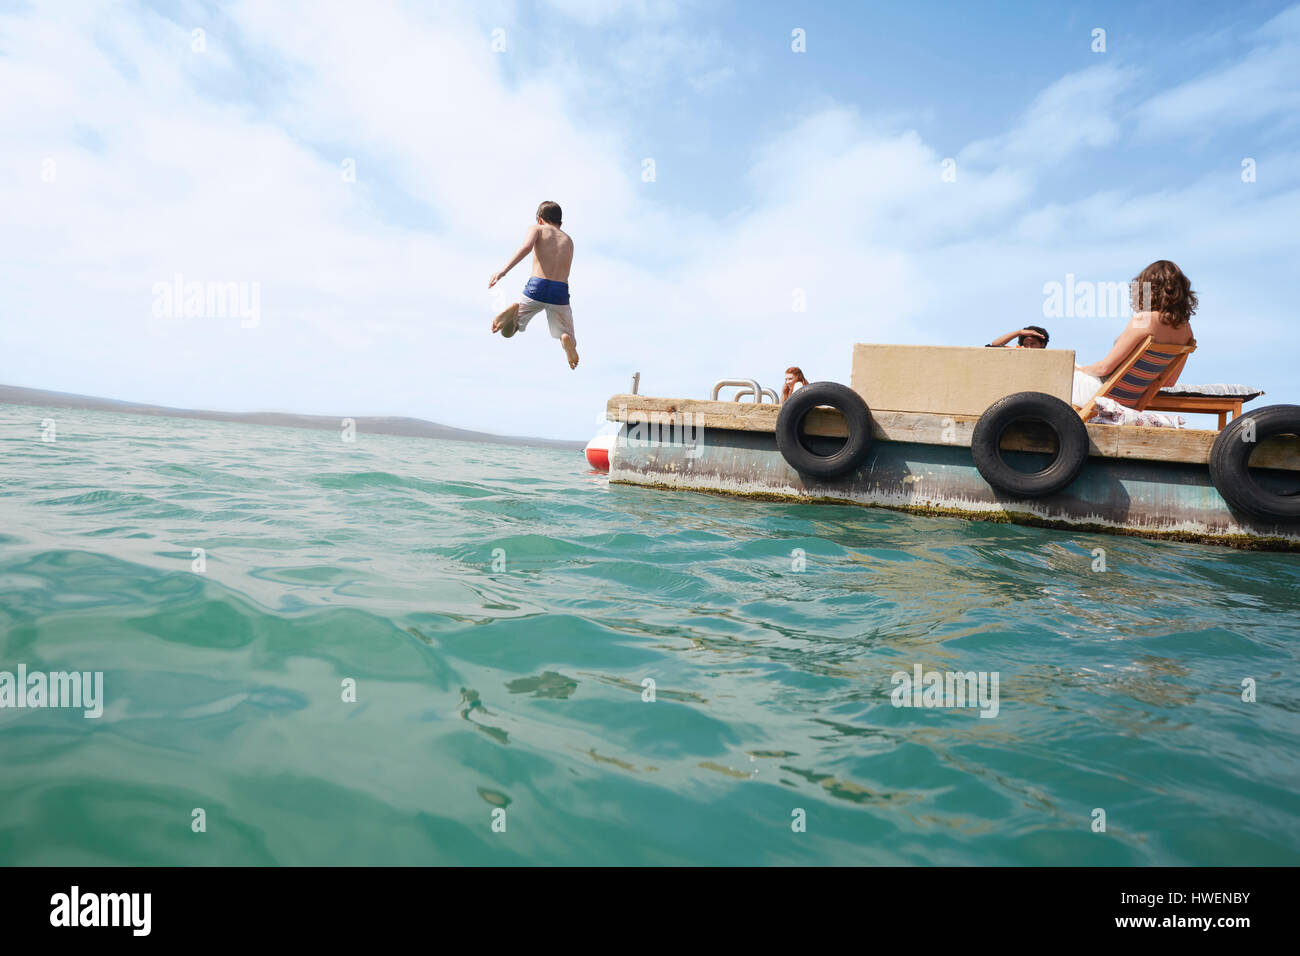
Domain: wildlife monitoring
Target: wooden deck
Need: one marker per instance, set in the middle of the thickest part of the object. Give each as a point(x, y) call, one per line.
point(1182, 445)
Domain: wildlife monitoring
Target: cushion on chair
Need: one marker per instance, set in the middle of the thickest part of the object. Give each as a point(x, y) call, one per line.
point(1243, 392)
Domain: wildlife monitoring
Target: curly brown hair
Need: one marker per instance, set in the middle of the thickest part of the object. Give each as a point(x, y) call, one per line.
point(1162, 288)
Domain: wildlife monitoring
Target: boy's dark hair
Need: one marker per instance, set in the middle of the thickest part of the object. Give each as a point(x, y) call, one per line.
point(1035, 328)
point(550, 212)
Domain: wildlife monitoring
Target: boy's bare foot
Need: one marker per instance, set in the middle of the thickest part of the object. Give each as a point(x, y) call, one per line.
point(570, 349)
point(507, 323)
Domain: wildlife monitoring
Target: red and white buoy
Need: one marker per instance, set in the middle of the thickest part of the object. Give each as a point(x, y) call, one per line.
point(599, 450)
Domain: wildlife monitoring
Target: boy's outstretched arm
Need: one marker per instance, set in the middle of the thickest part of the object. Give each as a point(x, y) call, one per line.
point(527, 247)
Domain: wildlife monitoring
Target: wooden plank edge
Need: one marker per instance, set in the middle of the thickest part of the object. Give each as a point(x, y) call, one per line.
point(1140, 443)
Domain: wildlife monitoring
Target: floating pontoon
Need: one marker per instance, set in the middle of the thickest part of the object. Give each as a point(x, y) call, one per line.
point(987, 434)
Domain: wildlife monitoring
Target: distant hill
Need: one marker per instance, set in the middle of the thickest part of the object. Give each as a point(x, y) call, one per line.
point(382, 425)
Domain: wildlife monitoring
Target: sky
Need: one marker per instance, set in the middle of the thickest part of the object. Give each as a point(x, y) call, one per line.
point(748, 185)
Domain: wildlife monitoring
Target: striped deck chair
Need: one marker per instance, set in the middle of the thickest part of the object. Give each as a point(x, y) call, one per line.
point(1140, 376)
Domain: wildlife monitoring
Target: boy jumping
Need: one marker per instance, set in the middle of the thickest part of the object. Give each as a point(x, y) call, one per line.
point(548, 288)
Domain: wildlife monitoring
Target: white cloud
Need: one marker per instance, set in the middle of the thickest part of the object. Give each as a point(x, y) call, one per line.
point(712, 79)
point(598, 12)
point(1078, 111)
point(1262, 84)
point(374, 293)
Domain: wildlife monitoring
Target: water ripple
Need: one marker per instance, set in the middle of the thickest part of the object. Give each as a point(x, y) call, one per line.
point(361, 653)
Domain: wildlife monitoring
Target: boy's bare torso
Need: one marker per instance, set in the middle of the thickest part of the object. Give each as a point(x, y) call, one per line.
point(552, 253)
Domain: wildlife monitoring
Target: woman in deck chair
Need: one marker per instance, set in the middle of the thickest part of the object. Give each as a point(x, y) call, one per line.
point(1163, 304)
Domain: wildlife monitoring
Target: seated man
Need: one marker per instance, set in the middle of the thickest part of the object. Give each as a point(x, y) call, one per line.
point(1030, 337)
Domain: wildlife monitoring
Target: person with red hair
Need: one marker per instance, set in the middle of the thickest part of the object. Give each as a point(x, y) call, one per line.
point(793, 380)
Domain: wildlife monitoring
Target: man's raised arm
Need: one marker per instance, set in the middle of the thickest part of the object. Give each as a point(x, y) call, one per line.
point(529, 241)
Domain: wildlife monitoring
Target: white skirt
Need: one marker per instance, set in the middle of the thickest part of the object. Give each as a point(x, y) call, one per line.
point(1085, 386)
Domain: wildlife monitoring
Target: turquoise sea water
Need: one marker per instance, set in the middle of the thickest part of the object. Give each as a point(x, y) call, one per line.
point(522, 688)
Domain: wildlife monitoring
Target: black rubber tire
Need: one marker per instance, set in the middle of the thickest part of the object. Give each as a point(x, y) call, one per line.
point(1071, 437)
point(790, 422)
point(1230, 456)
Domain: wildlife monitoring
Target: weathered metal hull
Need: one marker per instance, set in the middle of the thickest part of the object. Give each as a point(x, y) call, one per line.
point(1119, 496)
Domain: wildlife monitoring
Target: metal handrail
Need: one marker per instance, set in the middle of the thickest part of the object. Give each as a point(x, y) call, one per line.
point(767, 392)
point(754, 388)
